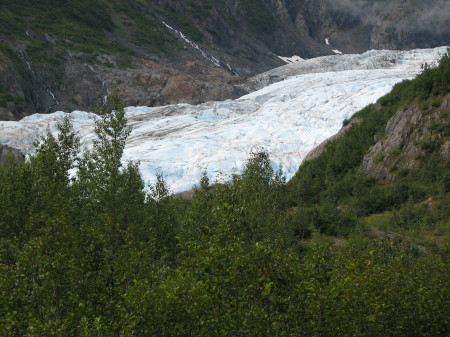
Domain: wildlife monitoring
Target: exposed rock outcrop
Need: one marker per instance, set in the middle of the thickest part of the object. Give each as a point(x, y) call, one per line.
point(411, 134)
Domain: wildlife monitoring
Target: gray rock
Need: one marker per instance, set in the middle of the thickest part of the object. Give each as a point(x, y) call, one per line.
point(405, 135)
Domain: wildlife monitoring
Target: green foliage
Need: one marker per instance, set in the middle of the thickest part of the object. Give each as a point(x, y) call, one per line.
point(258, 14)
point(200, 9)
point(333, 187)
point(431, 82)
point(42, 12)
point(252, 204)
point(42, 52)
point(85, 252)
point(6, 96)
point(82, 26)
point(372, 287)
point(183, 23)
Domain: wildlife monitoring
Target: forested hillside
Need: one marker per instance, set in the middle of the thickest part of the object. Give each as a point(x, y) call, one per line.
point(335, 252)
point(342, 181)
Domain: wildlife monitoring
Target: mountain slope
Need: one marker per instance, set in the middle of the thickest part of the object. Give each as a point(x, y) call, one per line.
point(67, 55)
point(393, 158)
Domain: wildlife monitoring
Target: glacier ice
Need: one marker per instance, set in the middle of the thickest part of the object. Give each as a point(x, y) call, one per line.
point(288, 118)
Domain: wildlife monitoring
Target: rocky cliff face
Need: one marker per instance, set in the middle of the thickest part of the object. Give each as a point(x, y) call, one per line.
point(411, 136)
point(55, 57)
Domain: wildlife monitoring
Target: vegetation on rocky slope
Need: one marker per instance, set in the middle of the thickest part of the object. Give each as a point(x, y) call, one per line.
point(336, 185)
point(64, 55)
point(89, 253)
point(55, 54)
point(84, 26)
point(93, 26)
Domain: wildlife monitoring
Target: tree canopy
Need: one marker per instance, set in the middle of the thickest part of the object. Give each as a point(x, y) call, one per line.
point(85, 251)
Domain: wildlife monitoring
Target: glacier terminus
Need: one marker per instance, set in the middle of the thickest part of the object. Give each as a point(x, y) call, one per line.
point(306, 105)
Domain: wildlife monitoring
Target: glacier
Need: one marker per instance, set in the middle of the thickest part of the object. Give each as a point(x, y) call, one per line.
point(297, 107)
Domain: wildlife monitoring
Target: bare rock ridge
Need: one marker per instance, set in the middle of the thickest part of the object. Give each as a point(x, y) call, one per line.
point(158, 52)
